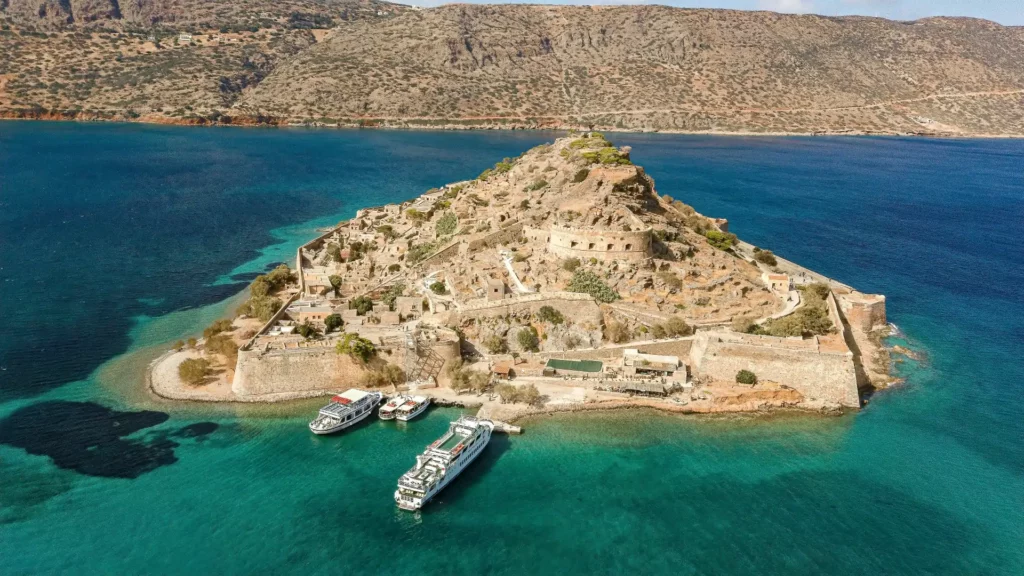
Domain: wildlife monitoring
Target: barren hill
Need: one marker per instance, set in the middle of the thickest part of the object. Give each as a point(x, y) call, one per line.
point(630, 67)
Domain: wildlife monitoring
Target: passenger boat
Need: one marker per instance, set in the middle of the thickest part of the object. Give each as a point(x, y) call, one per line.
point(412, 407)
point(344, 411)
point(388, 409)
point(442, 461)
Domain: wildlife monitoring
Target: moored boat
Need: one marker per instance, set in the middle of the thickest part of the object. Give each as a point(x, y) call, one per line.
point(443, 461)
point(345, 410)
point(388, 409)
point(412, 407)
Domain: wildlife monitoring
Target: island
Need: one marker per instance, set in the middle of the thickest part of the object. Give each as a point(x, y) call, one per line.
point(558, 280)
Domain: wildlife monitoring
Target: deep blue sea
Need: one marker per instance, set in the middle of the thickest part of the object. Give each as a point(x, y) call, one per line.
point(118, 239)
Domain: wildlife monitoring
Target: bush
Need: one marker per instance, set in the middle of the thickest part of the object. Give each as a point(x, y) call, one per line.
point(438, 288)
point(178, 345)
point(335, 281)
point(218, 326)
point(658, 331)
point(495, 344)
point(388, 231)
point(581, 175)
point(394, 268)
point(507, 393)
point(334, 252)
point(392, 294)
point(616, 332)
point(419, 252)
point(416, 216)
point(224, 345)
point(263, 308)
point(446, 224)
point(676, 326)
point(549, 314)
point(387, 375)
point(570, 264)
point(260, 287)
point(362, 305)
point(537, 185)
point(587, 282)
point(191, 342)
point(765, 257)
point(359, 349)
point(308, 331)
point(528, 340)
point(280, 277)
point(746, 377)
point(528, 394)
point(720, 240)
point(194, 371)
point(333, 322)
point(743, 324)
point(671, 279)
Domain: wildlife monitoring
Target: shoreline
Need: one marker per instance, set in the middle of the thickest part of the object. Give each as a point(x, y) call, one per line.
point(454, 126)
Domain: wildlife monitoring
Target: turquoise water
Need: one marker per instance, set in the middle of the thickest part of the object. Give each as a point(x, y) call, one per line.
point(117, 239)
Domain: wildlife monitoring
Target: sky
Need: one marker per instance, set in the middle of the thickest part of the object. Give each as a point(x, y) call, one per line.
point(1007, 12)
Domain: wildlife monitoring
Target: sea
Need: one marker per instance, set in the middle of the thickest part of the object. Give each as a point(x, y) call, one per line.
point(118, 239)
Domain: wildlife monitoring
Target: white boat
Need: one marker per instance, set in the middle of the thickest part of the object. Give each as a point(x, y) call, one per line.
point(412, 407)
point(345, 410)
point(387, 410)
point(443, 461)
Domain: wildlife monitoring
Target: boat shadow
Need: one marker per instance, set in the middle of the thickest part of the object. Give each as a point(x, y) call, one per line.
point(477, 470)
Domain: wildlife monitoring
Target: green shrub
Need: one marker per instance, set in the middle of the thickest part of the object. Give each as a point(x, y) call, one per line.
point(224, 345)
point(746, 377)
point(671, 279)
point(333, 322)
point(307, 331)
point(570, 264)
point(528, 339)
point(765, 257)
point(676, 326)
point(194, 371)
point(537, 185)
point(359, 349)
point(495, 344)
point(392, 294)
point(419, 252)
point(362, 305)
point(446, 224)
point(335, 281)
point(416, 216)
point(549, 314)
point(218, 326)
point(387, 375)
point(587, 282)
point(720, 240)
point(581, 175)
point(439, 288)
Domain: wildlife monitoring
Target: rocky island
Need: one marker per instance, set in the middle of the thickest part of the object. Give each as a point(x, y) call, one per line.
point(558, 280)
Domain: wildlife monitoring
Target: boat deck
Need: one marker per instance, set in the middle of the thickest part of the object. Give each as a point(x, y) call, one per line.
point(451, 442)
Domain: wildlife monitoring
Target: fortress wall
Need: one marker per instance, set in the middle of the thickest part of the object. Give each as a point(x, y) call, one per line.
point(293, 371)
point(443, 255)
point(679, 347)
point(830, 377)
point(864, 311)
point(578, 307)
point(504, 236)
point(538, 235)
point(600, 244)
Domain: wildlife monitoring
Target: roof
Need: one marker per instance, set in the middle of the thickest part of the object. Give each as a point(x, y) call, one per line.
point(353, 395)
point(577, 365)
point(502, 368)
point(648, 387)
point(778, 276)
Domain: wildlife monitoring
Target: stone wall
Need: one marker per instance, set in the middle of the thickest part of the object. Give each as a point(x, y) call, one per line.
point(817, 375)
point(600, 244)
point(260, 374)
point(863, 311)
point(506, 235)
point(578, 307)
point(443, 255)
point(677, 347)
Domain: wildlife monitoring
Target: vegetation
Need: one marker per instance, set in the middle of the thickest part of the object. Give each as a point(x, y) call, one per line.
point(224, 345)
point(495, 344)
point(606, 155)
point(464, 379)
point(720, 240)
point(510, 393)
point(528, 339)
point(746, 377)
point(570, 264)
point(308, 331)
point(333, 322)
point(387, 231)
point(615, 331)
point(263, 308)
point(416, 216)
point(359, 349)
point(178, 345)
point(537, 185)
point(581, 175)
point(392, 294)
point(218, 326)
point(671, 279)
point(362, 305)
point(334, 252)
point(439, 288)
point(808, 320)
point(335, 281)
point(419, 252)
point(765, 257)
point(549, 314)
point(194, 371)
point(387, 375)
point(587, 282)
point(446, 224)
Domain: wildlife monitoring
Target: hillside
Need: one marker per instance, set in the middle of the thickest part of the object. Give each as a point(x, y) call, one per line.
point(622, 67)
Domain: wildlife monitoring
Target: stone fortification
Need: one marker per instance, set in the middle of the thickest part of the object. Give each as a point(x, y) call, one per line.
point(812, 370)
point(293, 372)
point(570, 242)
point(580, 307)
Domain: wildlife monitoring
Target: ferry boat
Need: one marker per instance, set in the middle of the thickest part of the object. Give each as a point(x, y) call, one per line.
point(388, 409)
point(344, 411)
point(412, 407)
point(443, 461)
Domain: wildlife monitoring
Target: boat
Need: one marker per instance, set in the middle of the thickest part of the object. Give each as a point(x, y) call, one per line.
point(345, 410)
point(387, 410)
point(412, 407)
point(443, 461)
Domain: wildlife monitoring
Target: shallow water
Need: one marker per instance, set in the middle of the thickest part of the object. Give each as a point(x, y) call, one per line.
point(116, 239)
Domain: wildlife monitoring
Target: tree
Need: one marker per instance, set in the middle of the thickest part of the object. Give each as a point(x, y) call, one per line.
point(720, 240)
point(446, 224)
point(587, 282)
point(495, 344)
point(335, 281)
point(307, 331)
point(224, 345)
point(507, 393)
point(658, 331)
point(359, 349)
point(334, 252)
point(194, 370)
point(260, 287)
point(570, 264)
point(439, 288)
point(178, 345)
point(361, 305)
point(765, 257)
point(528, 394)
point(387, 375)
point(676, 326)
point(392, 294)
point(549, 314)
point(218, 326)
point(191, 342)
point(280, 276)
point(333, 322)
point(616, 331)
point(746, 377)
point(528, 340)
